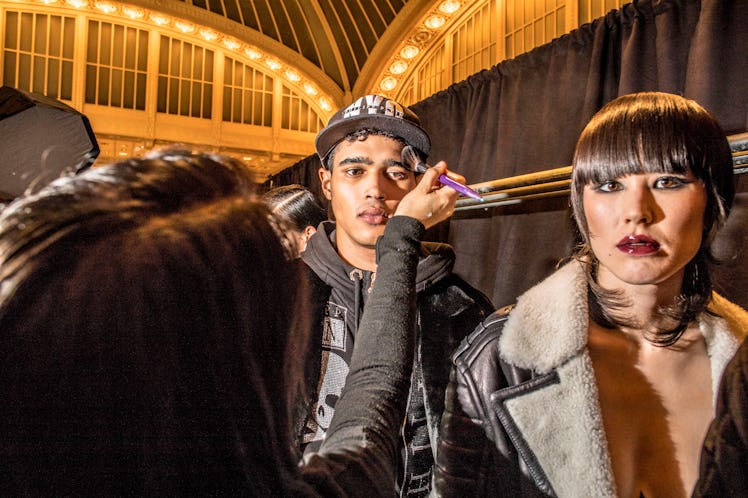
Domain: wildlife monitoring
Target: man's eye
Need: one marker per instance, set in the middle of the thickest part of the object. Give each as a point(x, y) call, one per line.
point(669, 182)
point(608, 186)
point(397, 175)
point(352, 171)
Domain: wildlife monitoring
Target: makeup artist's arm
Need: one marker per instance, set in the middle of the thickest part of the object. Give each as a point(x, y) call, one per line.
point(359, 453)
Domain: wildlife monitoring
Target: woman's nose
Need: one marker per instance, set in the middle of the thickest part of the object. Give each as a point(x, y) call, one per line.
point(639, 205)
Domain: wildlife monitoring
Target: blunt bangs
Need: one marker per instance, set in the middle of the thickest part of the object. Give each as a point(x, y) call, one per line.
point(655, 132)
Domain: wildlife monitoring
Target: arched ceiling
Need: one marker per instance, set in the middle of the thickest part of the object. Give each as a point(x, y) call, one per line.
point(339, 44)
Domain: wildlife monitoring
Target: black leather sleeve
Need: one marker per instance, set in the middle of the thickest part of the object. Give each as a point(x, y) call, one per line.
point(475, 456)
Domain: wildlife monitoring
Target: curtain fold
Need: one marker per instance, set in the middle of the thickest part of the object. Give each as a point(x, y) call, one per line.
point(524, 115)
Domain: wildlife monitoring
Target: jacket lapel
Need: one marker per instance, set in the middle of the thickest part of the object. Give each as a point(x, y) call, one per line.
point(555, 419)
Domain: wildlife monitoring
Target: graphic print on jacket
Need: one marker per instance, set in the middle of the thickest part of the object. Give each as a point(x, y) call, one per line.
point(335, 358)
point(342, 313)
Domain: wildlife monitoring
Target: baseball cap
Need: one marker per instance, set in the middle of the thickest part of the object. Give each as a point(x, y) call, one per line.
point(372, 112)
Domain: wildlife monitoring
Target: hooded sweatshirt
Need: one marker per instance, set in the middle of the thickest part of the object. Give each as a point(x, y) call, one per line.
point(444, 298)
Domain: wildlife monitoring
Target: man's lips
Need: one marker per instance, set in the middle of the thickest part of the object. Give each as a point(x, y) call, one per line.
point(638, 245)
point(373, 216)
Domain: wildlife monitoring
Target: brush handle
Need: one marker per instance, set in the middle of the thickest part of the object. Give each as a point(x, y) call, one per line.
point(463, 189)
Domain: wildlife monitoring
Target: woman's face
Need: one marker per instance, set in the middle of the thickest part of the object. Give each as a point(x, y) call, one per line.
point(644, 228)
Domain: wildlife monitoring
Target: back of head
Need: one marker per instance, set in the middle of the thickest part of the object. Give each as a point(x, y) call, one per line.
point(297, 204)
point(144, 308)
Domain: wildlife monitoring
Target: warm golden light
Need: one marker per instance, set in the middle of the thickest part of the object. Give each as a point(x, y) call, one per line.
point(253, 53)
point(388, 84)
point(449, 7)
point(159, 20)
point(435, 22)
point(325, 104)
point(273, 64)
point(231, 44)
point(48, 2)
point(310, 89)
point(184, 27)
point(132, 13)
point(409, 51)
point(398, 67)
point(208, 34)
point(105, 7)
point(78, 4)
point(292, 75)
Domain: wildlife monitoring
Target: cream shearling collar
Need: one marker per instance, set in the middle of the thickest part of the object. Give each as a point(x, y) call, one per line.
point(541, 333)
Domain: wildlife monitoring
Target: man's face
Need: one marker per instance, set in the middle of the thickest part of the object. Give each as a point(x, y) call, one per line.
point(367, 182)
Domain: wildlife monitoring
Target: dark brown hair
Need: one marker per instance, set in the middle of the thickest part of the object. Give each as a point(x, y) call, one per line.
point(148, 342)
point(646, 133)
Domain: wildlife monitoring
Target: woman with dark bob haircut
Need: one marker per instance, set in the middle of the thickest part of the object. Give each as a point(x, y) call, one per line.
point(601, 380)
point(151, 328)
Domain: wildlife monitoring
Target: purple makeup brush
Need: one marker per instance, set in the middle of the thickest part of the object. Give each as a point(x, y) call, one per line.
point(412, 158)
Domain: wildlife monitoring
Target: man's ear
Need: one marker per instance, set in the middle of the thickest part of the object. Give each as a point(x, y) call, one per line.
point(324, 179)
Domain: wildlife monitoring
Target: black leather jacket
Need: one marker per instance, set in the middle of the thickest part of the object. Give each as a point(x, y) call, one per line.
point(484, 459)
point(522, 416)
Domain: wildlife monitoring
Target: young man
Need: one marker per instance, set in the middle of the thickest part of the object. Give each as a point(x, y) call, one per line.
point(364, 177)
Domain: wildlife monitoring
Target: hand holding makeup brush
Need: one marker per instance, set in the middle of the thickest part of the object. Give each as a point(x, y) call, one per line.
point(429, 203)
point(411, 157)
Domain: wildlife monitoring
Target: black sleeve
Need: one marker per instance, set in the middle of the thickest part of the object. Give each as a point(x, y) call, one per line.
point(360, 450)
point(724, 458)
point(466, 454)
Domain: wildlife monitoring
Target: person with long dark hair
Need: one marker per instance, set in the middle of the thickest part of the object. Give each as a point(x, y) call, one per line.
point(152, 319)
point(601, 380)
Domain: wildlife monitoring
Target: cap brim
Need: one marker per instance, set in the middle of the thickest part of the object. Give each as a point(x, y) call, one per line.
point(411, 133)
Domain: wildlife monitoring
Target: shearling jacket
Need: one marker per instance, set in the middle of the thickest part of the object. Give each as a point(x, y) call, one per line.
point(522, 414)
point(448, 309)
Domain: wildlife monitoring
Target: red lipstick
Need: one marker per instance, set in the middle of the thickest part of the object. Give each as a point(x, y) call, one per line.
point(638, 245)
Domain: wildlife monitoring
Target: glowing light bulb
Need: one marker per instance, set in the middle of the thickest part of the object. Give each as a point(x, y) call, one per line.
point(253, 53)
point(398, 67)
point(273, 64)
point(388, 84)
point(409, 51)
point(159, 20)
point(310, 89)
point(449, 7)
point(132, 13)
point(231, 44)
point(292, 75)
point(208, 35)
point(184, 27)
point(105, 7)
point(435, 22)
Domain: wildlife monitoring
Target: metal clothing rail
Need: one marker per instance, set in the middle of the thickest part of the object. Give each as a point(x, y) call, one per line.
point(556, 182)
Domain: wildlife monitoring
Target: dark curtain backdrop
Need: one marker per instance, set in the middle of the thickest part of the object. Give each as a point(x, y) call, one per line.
point(525, 114)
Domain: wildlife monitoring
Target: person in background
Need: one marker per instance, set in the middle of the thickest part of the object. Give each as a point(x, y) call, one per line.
point(724, 458)
point(601, 381)
point(299, 206)
point(365, 178)
point(152, 324)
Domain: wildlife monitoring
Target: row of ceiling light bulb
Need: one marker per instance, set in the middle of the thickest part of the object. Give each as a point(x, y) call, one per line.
point(435, 21)
point(209, 35)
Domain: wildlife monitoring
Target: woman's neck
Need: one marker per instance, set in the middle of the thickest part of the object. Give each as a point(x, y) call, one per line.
point(644, 303)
